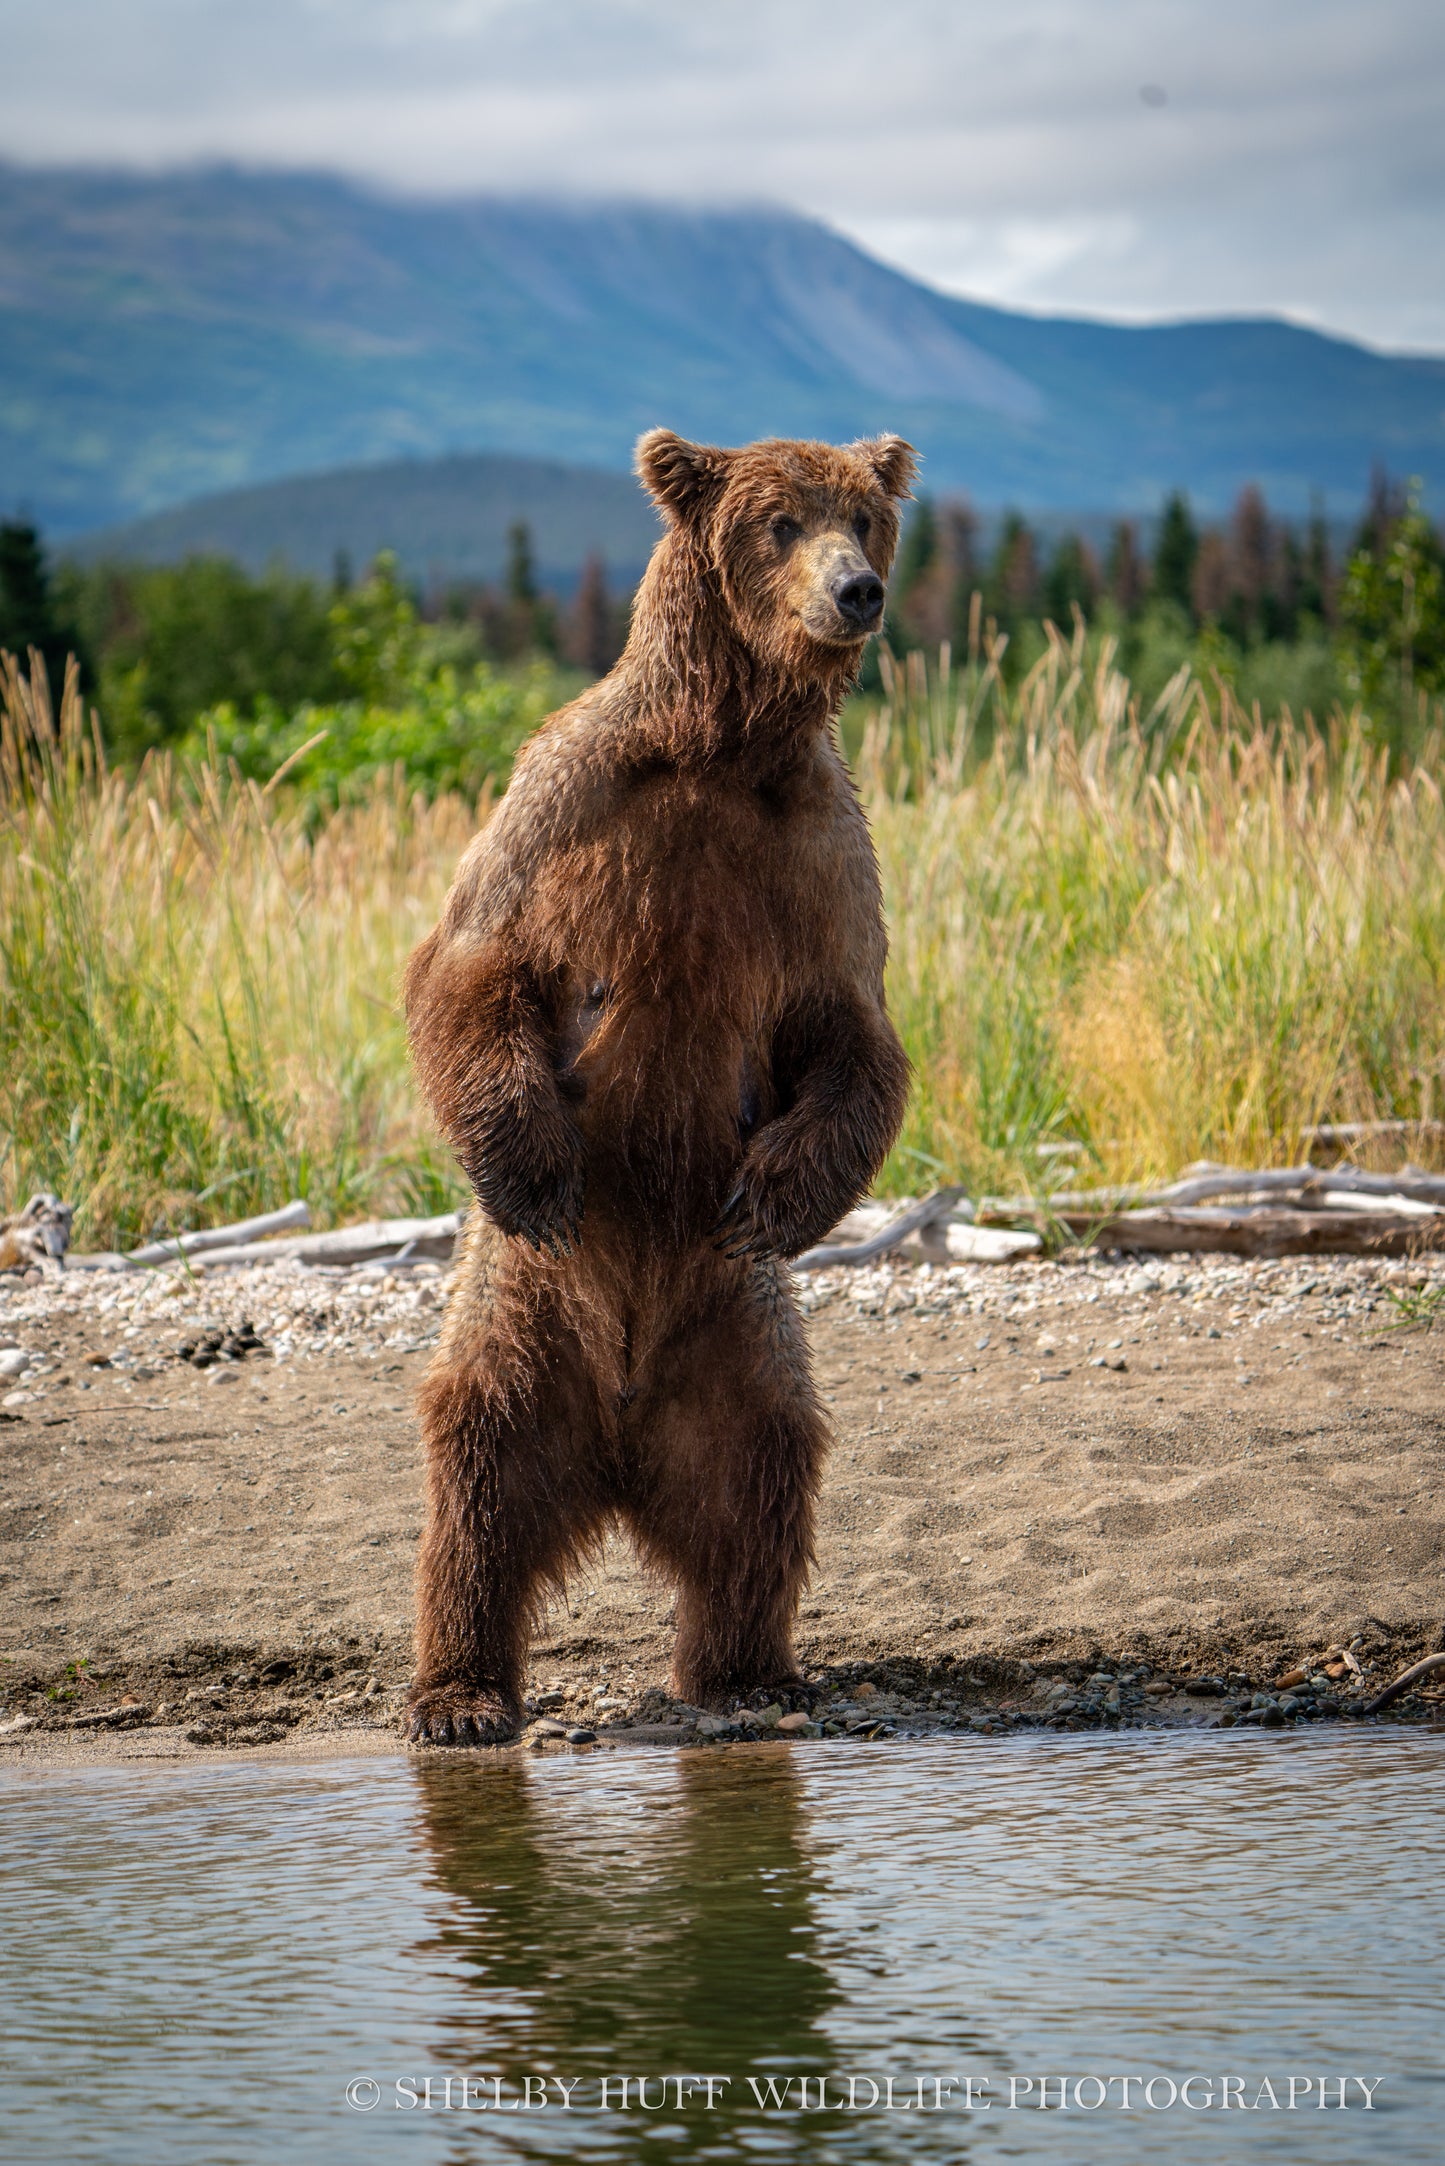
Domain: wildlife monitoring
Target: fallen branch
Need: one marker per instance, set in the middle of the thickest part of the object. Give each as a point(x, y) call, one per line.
point(245, 1230)
point(377, 1240)
point(1308, 1180)
point(1307, 1183)
point(242, 1232)
point(926, 1213)
point(1403, 1683)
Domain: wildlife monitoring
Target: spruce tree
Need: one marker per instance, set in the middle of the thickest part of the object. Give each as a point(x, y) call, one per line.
point(28, 613)
point(1175, 552)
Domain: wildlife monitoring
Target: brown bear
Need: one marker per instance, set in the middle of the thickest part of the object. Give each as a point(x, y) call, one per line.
point(651, 1023)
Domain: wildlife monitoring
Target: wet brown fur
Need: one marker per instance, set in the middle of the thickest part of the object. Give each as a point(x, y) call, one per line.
point(651, 1022)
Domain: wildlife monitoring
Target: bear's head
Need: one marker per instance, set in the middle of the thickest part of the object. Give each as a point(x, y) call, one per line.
point(795, 539)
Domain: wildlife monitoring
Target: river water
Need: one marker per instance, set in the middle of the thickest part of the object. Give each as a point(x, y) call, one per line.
point(198, 1962)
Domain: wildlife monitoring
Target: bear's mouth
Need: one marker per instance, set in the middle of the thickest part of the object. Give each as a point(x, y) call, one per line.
point(838, 595)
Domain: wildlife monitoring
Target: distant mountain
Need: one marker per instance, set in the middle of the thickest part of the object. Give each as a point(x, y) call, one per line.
point(445, 518)
point(162, 337)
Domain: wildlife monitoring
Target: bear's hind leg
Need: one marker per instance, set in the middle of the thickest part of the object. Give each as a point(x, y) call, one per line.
point(508, 1508)
point(730, 1468)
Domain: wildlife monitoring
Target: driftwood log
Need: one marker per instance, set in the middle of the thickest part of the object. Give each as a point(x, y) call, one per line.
point(389, 1239)
point(246, 1229)
point(1269, 1231)
point(1286, 1211)
point(1403, 1683)
point(1201, 1184)
point(379, 1240)
point(927, 1213)
point(243, 1231)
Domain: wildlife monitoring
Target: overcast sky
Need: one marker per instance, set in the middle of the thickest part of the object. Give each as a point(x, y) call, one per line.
point(1132, 158)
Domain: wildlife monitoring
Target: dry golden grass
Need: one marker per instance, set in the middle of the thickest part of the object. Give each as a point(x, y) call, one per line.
point(1119, 943)
point(199, 991)
point(1183, 935)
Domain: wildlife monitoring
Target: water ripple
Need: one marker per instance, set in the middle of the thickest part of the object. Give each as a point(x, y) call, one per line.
point(199, 1960)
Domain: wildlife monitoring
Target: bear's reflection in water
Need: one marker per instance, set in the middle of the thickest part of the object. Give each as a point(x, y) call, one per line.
point(606, 1927)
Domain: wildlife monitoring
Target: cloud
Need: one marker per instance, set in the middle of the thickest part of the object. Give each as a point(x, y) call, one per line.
point(1295, 161)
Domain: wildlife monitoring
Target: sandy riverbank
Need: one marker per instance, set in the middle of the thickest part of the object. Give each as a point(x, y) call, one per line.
point(1256, 1477)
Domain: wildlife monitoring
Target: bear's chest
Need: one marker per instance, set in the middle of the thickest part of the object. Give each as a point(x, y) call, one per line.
point(697, 884)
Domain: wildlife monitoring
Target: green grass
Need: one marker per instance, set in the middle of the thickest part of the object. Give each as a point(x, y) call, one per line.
point(1416, 1308)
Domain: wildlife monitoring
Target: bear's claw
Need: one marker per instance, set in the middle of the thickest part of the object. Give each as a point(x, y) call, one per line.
point(459, 1715)
point(736, 1233)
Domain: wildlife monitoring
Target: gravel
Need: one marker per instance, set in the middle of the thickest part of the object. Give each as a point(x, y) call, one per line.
point(302, 1312)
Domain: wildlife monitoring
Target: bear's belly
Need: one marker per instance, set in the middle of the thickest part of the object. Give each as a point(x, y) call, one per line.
point(666, 1103)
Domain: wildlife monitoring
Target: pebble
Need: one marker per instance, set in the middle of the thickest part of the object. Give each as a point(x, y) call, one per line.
point(796, 1725)
point(581, 1736)
point(547, 1727)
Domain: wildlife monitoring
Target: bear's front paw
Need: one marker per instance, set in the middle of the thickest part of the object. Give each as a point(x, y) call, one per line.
point(460, 1714)
point(773, 1212)
point(534, 1189)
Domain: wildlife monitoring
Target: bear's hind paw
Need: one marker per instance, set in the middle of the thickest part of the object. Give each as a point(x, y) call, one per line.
point(459, 1715)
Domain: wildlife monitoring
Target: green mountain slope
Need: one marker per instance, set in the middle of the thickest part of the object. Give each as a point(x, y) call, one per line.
point(162, 337)
point(445, 519)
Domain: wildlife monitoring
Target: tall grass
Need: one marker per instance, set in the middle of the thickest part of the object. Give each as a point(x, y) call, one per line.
point(197, 985)
point(1121, 941)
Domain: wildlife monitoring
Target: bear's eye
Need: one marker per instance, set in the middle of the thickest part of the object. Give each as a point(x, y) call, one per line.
point(863, 527)
point(784, 531)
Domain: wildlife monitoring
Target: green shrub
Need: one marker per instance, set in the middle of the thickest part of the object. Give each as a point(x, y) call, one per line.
point(443, 734)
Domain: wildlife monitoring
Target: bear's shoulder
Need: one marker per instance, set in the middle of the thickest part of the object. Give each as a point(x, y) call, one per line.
point(565, 787)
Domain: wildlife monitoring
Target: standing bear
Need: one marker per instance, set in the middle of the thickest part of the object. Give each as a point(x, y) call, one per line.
point(651, 1023)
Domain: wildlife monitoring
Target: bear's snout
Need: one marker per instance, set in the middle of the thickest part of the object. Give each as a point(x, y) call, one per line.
point(858, 598)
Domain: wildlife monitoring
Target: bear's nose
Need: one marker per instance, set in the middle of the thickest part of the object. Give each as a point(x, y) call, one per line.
point(858, 597)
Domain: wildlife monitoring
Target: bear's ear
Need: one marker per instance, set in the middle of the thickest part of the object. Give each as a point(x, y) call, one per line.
point(681, 478)
point(894, 463)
